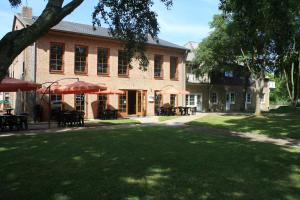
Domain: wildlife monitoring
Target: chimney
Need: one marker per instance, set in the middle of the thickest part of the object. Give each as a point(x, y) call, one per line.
point(27, 12)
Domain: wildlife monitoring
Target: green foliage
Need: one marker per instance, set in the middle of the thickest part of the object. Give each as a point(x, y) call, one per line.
point(219, 50)
point(130, 21)
point(279, 95)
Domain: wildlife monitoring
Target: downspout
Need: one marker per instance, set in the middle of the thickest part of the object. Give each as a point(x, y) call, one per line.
point(34, 76)
point(184, 76)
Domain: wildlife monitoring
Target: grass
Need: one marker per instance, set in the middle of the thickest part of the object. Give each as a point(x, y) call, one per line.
point(116, 121)
point(145, 164)
point(166, 118)
point(278, 123)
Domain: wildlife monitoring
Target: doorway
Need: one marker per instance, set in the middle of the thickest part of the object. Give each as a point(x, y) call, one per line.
point(131, 102)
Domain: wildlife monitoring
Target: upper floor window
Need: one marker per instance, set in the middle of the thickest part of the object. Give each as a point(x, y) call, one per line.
point(158, 68)
point(173, 68)
point(56, 57)
point(123, 64)
point(228, 74)
point(81, 53)
point(102, 65)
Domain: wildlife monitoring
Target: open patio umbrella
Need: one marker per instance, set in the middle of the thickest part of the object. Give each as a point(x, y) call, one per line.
point(14, 85)
point(109, 91)
point(79, 87)
point(45, 90)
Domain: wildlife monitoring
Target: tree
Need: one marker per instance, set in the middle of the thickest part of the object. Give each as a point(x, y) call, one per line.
point(254, 23)
point(129, 20)
point(219, 52)
point(287, 48)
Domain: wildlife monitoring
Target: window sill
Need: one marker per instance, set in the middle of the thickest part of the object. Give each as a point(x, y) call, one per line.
point(57, 72)
point(174, 79)
point(104, 75)
point(159, 78)
point(123, 76)
point(81, 73)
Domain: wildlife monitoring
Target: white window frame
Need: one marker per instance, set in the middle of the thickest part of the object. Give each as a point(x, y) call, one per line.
point(216, 102)
point(250, 96)
point(228, 74)
point(232, 94)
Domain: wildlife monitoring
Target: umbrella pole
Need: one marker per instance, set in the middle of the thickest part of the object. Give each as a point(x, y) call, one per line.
point(49, 107)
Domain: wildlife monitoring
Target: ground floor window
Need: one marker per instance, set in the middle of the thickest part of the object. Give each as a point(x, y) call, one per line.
point(248, 98)
point(214, 98)
point(232, 98)
point(190, 100)
point(102, 102)
point(122, 103)
point(80, 102)
point(173, 100)
point(56, 101)
point(158, 101)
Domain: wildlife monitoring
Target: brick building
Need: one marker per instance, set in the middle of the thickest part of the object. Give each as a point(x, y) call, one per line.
point(72, 50)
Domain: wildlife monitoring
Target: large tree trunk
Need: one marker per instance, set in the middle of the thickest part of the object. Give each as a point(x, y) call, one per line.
point(13, 43)
point(259, 87)
point(292, 85)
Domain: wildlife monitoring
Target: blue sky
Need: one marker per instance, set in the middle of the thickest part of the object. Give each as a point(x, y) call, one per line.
point(186, 21)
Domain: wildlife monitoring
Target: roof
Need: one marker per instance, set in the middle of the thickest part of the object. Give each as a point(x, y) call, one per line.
point(84, 29)
point(192, 46)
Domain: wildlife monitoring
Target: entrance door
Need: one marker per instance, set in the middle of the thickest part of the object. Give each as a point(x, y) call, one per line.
point(199, 102)
point(141, 103)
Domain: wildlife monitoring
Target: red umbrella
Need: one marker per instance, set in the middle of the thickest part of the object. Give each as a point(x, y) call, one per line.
point(110, 91)
point(79, 87)
point(13, 85)
point(53, 89)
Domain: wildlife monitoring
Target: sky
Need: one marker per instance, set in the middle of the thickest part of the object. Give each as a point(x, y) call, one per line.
point(187, 20)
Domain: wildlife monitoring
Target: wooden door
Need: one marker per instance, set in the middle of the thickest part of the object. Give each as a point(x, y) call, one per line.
point(141, 103)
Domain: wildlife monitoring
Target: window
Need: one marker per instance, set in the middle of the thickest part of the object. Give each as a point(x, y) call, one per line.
point(173, 100)
point(102, 65)
point(190, 100)
point(248, 98)
point(80, 59)
point(56, 101)
point(56, 57)
point(158, 101)
point(122, 103)
point(80, 102)
point(102, 102)
point(228, 74)
point(232, 98)
point(214, 98)
point(123, 64)
point(173, 68)
point(158, 70)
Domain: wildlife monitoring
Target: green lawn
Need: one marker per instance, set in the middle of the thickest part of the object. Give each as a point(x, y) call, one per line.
point(116, 122)
point(274, 124)
point(151, 163)
point(166, 118)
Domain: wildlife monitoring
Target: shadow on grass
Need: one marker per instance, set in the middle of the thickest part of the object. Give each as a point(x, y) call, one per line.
point(273, 124)
point(145, 163)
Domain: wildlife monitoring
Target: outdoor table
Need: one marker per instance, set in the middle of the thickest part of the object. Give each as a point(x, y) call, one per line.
point(13, 121)
point(181, 110)
point(8, 110)
point(71, 118)
point(186, 110)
